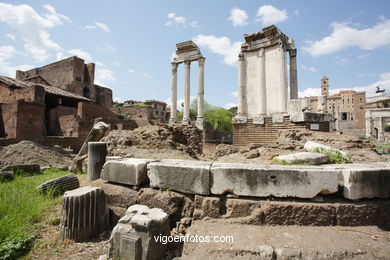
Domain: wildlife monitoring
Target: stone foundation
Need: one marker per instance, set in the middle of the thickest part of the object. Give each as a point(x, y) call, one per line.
point(254, 131)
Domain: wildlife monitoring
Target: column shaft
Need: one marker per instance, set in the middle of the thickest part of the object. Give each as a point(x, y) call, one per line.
point(173, 118)
point(283, 82)
point(241, 86)
point(201, 89)
point(293, 74)
point(262, 86)
point(186, 109)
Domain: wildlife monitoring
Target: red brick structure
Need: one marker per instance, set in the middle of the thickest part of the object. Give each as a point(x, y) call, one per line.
point(55, 104)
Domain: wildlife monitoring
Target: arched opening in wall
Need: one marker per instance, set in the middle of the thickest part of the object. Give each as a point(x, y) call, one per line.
point(376, 132)
point(86, 92)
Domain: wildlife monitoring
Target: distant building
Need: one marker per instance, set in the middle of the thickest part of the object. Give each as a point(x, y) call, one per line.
point(347, 107)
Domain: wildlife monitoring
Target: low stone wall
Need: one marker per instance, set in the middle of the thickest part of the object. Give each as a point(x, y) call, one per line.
point(353, 181)
point(248, 133)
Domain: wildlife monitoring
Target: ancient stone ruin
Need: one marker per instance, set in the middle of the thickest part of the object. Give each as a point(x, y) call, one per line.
point(186, 53)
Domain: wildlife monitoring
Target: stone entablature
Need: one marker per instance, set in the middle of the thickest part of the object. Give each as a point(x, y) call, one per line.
point(262, 73)
point(187, 52)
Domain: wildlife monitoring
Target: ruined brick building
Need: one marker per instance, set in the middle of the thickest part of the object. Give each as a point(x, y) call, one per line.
point(143, 113)
point(55, 104)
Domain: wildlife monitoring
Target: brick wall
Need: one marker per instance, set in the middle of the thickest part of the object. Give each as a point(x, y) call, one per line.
point(8, 120)
point(248, 133)
point(30, 121)
point(9, 94)
point(103, 96)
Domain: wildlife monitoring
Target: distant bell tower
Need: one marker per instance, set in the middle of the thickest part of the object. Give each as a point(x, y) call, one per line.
point(324, 86)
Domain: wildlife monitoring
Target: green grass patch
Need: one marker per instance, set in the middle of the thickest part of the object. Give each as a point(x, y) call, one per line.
point(335, 157)
point(294, 162)
point(21, 209)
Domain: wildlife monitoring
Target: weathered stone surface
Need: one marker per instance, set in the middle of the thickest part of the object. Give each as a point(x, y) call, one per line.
point(128, 171)
point(174, 204)
point(97, 152)
point(304, 157)
point(278, 181)
point(191, 177)
point(310, 146)
point(207, 207)
point(252, 154)
point(30, 168)
point(60, 185)
point(286, 242)
point(366, 181)
point(85, 213)
point(134, 236)
point(277, 118)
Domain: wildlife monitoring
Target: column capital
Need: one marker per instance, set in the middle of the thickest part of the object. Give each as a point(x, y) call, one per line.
point(187, 63)
point(201, 61)
point(261, 52)
point(240, 56)
point(293, 53)
point(174, 66)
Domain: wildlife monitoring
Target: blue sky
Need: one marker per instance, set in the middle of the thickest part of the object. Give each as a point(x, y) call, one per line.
point(132, 42)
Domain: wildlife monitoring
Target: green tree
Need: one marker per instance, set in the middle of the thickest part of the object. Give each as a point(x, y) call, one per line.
point(219, 118)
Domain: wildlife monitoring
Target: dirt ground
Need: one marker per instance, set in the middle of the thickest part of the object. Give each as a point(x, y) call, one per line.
point(287, 242)
point(28, 152)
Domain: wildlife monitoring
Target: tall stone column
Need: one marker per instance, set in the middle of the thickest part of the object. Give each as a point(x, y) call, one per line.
point(241, 111)
point(283, 82)
point(262, 93)
point(173, 118)
point(381, 136)
point(186, 110)
point(293, 74)
point(199, 120)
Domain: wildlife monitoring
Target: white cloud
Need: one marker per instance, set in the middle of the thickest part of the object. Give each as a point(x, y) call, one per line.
point(180, 20)
point(267, 15)
point(103, 74)
point(344, 36)
point(310, 92)
point(309, 68)
point(362, 56)
point(116, 99)
point(98, 25)
point(81, 54)
point(106, 48)
point(238, 17)
point(296, 12)
point(10, 36)
point(220, 45)
point(234, 94)
point(33, 28)
point(7, 52)
point(360, 75)
point(147, 75)
point(230, 105)
point(130, 70)
point(341, 61)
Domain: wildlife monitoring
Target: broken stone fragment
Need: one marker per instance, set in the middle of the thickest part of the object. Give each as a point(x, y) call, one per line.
point(85, 213)
point(137, 234)
point(60, 185)
point(303, 158)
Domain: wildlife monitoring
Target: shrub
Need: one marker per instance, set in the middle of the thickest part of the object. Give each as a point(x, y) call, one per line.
point(335, 157)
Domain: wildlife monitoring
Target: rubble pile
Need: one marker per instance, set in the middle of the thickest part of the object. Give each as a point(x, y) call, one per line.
point(28, 152)
point(225, 149)
point(187, 139)
point(298, 137)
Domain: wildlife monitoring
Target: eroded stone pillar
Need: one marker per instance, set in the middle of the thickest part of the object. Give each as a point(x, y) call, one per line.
point(200, 111)
point(186, 109)
point(381, 129)
point(283, 81)
point(262, 92)
point(368, 124)
point(173, 118)
point(241, 111)
point(293, 74)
